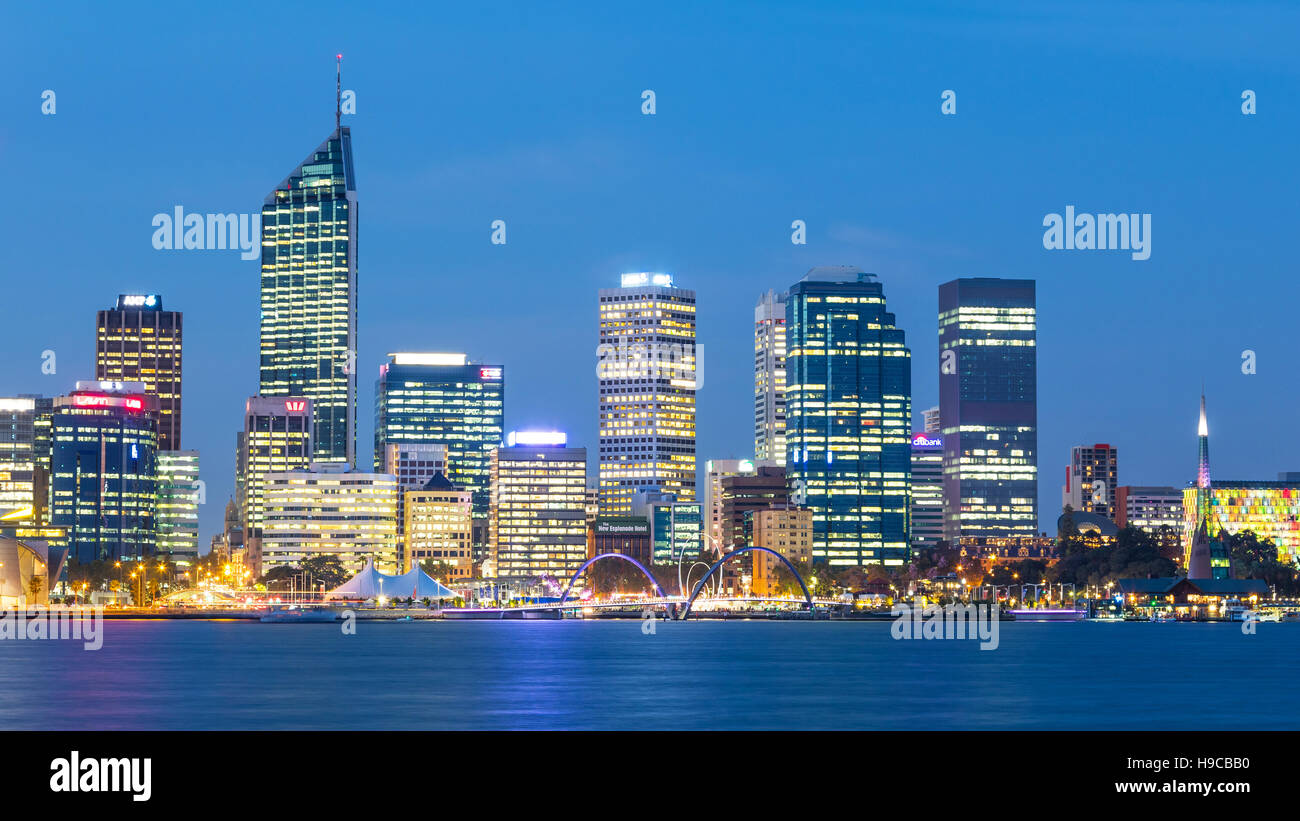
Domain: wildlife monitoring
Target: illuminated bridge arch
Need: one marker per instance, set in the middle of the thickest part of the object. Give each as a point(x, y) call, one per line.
point(733, 554)
point(622, 556)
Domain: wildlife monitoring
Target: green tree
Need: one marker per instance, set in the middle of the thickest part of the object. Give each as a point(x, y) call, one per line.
point(278, 577)
point(1069, 541)
point(1134, 555)
point(1256, 558)
point(438, 570)
point(35, 585)
point(326, 569)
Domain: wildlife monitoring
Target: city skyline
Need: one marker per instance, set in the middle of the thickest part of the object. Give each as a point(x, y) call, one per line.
point(421, 299)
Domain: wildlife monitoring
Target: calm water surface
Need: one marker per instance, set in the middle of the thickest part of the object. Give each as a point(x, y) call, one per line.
point(609, 675)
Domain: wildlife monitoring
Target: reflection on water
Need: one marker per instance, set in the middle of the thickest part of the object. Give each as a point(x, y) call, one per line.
point(611, 675)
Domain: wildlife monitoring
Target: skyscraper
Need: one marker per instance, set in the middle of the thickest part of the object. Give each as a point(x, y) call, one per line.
point(648, 377)
point(848, 415)
point(309, 294)
point(443, 399)
point(137, 341)
point(769, 378)
point(988, 400)
point(276, 439)
point(179, 494)
point(538, 518)
point(104, 482)
point(20, 461)
point(927, 489)
point(1091, 479)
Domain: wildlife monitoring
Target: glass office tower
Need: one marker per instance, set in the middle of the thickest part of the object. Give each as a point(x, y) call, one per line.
point(647, 370)
point(19, 461)
point(538, 516)
point(848, 417)
point(104, 482)
point(988, 405)
point(179, 495)
point(444, 399)
point(309, 294)
point(927, 489)
point(276, 439)
point(137, 341)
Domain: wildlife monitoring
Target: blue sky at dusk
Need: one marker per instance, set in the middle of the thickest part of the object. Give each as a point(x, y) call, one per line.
point(766, 113)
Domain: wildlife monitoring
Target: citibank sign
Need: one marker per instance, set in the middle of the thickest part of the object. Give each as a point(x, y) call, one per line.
point(923, 440)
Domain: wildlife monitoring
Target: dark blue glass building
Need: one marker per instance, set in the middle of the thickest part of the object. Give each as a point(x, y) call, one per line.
point(103, 471)
point(848, 417)
point(988, 407)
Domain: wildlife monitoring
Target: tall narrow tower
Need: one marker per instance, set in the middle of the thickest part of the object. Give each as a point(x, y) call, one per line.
point(309, 293)
point(769, 378)
point(1202, 466)
point(1207, 553)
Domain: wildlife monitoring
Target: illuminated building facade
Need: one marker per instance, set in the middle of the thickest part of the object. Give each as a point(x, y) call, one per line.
point(927, 489)
point(537, 522)
point(931, 419)
point(444, 399)
point(104, 471)
point(1156, 510)
point(413, 465)
point(988, 402)
point(647, 374)
point(769, 378)
point(715, 470)
point(848, 417)
point(1009, 548)
point(276, 439)
point(329, 510)
point(24, 468)
point(788, 531)
point(438, 526)
point(741, 493)
point(137, 341)
point(309, 294)
point(676, 528)
point(1091, 480)
point(629, 535)
point(179, 496)
point(1270, 509)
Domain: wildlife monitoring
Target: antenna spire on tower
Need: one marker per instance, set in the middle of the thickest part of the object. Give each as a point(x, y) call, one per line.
point(338, 93)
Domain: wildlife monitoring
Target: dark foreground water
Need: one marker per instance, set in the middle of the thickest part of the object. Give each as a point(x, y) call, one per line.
point(693, 675)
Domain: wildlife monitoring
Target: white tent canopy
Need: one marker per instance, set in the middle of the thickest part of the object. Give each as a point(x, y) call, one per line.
point(371, 584)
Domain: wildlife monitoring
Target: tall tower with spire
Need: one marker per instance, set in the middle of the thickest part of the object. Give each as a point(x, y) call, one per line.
point(309, 290)
point(1207, 553)
point(1202, 466)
